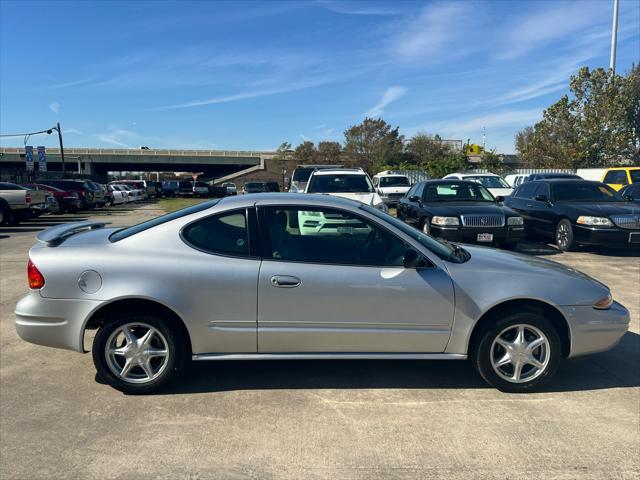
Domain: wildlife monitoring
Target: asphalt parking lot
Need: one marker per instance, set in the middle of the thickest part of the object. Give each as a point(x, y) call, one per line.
point(313, 419)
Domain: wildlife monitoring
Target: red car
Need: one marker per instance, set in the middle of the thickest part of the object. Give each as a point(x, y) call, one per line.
point(68, 201)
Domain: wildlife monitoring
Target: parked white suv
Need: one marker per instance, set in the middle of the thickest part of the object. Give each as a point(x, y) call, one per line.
point(352, 183)
point(492, 182)
point(391, 187)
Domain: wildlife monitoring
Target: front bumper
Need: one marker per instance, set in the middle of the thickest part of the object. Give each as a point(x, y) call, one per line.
point(470, 235)
point(606, 236)
point(57, 323)
point(594, 331)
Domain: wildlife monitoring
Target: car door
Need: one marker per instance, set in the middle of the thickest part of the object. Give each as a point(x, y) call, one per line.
point(333, 281)
point(541, 212)
point(414, 207)
point(520, 201)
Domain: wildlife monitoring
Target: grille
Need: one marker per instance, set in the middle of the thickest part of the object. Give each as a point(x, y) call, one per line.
point(395, 195)
point(630, 222)
point(482, 221)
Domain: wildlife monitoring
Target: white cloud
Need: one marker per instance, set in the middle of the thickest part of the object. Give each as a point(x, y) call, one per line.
point(390, 95)
point(431, 31)
point(118, 137)
point(54, 107)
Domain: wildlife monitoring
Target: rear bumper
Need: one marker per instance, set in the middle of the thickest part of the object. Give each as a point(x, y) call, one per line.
point(606, 236)
point(57, 323)
point(470, 235)
point(594, 331)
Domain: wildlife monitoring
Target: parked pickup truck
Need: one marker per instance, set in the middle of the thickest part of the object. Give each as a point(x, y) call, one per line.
point(19, 203)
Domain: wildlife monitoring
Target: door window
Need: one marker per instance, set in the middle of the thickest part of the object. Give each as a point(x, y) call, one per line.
point(526, 190)
point(328, 236)
point(616, 177)
point(224, 234)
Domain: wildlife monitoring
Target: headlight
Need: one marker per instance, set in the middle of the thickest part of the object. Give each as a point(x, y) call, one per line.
point(382, 207)
point(515, 221)
point(604, 303)
point(445, 221)
point(594, 221)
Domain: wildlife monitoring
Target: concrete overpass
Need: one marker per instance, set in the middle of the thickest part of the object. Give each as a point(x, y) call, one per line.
point(98, 161)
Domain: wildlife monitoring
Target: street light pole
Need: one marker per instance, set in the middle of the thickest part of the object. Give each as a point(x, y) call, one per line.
point(614, 38)
point(61, 146)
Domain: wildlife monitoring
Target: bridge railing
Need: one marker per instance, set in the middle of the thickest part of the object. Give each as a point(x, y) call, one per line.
point(141, 152)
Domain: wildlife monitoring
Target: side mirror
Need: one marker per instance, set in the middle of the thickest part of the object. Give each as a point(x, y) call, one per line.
point(411, 258)
point(414, 198)
point(499, 198)
point(628, 198)
point(541, 198)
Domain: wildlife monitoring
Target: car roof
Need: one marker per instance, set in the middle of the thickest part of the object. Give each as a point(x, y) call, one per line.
point(339, 171)
point(287, 198)
point(449, 181)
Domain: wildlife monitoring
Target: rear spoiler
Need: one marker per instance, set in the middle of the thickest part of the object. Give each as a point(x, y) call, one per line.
point(52, 237)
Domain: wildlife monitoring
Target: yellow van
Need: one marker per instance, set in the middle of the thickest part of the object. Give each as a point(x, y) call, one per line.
point(619, 177)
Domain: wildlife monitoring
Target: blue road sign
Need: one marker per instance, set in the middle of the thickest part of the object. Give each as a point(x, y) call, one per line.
point(42, 159)
point(28, 155)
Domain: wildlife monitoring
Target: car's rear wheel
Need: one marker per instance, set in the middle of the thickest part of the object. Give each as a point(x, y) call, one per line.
point(564, 235)
point(138, 354)
point(5, 214)
point(518, 353)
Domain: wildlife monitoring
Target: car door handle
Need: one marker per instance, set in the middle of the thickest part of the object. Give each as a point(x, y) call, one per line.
point(285, 281)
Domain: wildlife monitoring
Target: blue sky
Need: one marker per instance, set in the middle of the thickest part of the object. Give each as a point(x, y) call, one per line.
point(250, 75)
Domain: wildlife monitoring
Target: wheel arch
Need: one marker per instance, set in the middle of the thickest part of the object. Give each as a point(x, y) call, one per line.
point(133, 305)
point(539, 307)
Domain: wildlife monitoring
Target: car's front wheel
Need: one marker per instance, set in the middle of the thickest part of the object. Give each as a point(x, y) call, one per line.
point(518, 353)
point(564, 235)
point(138, 354)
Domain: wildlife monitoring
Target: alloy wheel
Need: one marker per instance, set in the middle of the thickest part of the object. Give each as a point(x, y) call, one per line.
point(562, 235)
point(520, 353)
point(136, 353)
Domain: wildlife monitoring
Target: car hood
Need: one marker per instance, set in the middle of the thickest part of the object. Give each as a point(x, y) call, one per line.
point(505, 192)
point(366, 198)
point(517, 275)
point(603, 209)
point(462, 208)
point(388, 190)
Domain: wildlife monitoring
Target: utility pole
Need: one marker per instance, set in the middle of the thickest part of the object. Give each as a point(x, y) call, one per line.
point(614, 38)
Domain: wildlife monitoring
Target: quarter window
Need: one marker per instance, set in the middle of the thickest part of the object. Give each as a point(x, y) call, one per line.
point(224, 234)
point(327, 236)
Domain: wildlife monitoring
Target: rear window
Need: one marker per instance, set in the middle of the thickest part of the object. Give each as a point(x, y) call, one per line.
point(141, 227)
point(302, 174)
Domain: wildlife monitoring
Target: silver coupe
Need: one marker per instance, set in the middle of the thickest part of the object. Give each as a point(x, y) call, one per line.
point(304, 276)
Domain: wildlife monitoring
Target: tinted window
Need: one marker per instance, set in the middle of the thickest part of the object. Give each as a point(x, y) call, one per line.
point(542, 189)
point(616, 177)
point(526, 190)
point(457, 192)
point(224, 234)
point(419, 190)
point(302, 174)
point(635, 176)
point(585, 192)
point(329, 236)
point(141, 227)
point(633, 190)
point(340, 183)
point(489, 181)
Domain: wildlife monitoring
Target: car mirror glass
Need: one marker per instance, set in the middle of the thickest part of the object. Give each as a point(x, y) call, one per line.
point(541, 198)
point(499, 198)
point(414, 198)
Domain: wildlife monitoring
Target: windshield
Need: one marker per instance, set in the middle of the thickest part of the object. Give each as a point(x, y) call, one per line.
point(585, 192)
point(394, 181)
point(441, 248)
point(457, 192)
point(340, 183)
point(489, 181)
point(302, 174)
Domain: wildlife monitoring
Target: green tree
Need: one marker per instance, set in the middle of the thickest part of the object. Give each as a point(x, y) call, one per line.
point(373, 144)
point(305, 152)
point(597, 126)
point(436, 156)
point(283, 151)
point(492, 162)
point(329, 153)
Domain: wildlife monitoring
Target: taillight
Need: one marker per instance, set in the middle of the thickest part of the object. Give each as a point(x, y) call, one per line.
point(27, 197)
point(36, 280)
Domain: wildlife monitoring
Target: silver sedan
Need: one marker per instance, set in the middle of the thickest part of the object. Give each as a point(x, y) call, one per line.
point(294, 276)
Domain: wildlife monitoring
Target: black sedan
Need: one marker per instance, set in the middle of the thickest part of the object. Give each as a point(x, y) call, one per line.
point(460, 211)
point(575, 212)
point(631, 193)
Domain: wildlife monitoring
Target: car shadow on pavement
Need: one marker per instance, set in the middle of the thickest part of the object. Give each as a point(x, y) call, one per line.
point(618, 368)
point(538, 248)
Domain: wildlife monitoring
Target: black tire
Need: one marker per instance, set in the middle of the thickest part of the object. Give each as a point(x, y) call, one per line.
point(564, 236)
point(509, 245)
point(5, 214)
point(176, 346)
point(481, 353)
